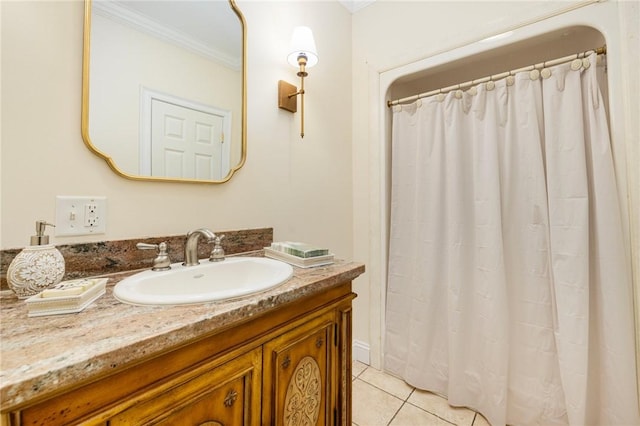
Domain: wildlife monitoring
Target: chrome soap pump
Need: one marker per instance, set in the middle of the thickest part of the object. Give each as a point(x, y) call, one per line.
point(37, 267)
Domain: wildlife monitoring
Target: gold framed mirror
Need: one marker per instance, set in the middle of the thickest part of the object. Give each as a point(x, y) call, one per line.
point(164, 88)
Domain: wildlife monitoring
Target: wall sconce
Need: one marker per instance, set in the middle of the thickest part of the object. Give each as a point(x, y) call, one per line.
point(303, 55)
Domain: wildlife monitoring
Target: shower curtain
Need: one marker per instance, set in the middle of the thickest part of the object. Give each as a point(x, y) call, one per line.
point(509, 286)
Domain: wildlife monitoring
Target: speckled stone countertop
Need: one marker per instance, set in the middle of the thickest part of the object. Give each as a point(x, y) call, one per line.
point(41, 354)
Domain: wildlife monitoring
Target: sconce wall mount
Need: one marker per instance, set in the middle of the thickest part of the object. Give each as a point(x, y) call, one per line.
point(287, 96)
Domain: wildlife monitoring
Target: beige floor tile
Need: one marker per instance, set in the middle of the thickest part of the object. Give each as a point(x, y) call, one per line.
point(386, 382)
point(357, 368)
point(410, 415)
point(372, 406)
point(480, 421)
point(440, 407)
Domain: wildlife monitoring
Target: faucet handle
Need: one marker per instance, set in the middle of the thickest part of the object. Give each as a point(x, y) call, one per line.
point(217, 254)
point(162, 261)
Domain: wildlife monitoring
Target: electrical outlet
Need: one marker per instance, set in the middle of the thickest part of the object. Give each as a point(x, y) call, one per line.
point(80, 215)
point(91, 215)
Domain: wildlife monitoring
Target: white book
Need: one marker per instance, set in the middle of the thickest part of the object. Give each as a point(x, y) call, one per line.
point(300, 262)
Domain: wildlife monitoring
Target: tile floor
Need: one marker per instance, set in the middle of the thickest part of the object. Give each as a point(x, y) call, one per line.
point(383, 400)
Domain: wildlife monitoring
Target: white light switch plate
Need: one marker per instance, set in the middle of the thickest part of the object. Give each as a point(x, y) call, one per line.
point(80, 215)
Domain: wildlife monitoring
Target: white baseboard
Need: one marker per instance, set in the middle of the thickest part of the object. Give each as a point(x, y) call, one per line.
point(361, 352)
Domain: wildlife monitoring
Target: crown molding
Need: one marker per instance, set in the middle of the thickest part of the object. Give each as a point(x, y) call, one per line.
point(142, 23)
point(355, 5)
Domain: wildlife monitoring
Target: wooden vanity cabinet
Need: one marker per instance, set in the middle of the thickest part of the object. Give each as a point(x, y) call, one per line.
point(289, 366)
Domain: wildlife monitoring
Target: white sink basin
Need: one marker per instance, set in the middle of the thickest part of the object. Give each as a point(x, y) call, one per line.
point(206, 282)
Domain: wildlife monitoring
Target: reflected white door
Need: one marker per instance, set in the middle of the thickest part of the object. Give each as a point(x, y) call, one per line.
point(185, 142)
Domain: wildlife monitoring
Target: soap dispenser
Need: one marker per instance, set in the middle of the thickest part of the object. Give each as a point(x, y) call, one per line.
point(37, 267)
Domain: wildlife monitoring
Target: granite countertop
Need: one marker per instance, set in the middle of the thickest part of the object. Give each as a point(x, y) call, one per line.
point(41, 354)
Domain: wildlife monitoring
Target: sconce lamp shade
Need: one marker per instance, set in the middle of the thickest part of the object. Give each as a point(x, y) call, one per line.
point(302, 44)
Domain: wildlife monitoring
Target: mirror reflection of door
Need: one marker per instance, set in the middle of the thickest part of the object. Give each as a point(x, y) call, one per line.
point(185, 143)
point(183, 139)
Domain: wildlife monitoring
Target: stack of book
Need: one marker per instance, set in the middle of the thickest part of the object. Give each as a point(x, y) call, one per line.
point(299, 254)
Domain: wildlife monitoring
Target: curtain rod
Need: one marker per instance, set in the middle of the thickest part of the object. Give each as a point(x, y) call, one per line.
point(494, 77)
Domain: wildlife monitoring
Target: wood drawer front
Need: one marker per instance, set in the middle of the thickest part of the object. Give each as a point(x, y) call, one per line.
point(226, 395)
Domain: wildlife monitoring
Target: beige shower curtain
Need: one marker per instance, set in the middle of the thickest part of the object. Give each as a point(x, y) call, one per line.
point(509, 286)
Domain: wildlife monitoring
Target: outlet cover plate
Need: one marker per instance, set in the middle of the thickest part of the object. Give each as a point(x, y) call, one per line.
point(80, 215)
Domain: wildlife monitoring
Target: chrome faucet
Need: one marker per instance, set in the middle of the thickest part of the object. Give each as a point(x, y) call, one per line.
point(191, 247)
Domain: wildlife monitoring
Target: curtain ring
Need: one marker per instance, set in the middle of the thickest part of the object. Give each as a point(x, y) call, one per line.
point(490, 85)
point(576, 64)
point(534, 74)
point(546, 73)
point(586, 63)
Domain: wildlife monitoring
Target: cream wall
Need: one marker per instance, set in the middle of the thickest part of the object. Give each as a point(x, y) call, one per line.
point(301, 188)
point(391, 34)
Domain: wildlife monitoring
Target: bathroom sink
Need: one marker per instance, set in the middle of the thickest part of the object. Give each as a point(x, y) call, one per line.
point(206, 282)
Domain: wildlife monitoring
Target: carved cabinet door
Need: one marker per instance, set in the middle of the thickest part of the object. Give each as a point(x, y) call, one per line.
point(299, 375)
point(227, 395)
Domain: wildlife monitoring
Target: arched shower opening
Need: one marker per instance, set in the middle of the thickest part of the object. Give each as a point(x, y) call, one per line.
point(577, 31)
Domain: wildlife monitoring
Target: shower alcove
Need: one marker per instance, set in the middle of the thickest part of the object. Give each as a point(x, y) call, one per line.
point(585, 28)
